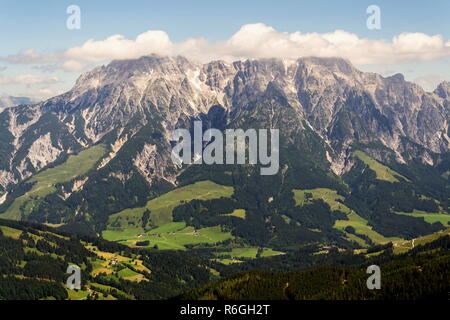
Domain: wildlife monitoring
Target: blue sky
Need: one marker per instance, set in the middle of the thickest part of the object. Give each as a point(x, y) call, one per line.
point(41, 26)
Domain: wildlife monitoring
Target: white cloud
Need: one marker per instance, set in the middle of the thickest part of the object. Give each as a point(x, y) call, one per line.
point(117, 47)
point(251, 41)
point(28, 79)
point(74, 65)
point(262, 41)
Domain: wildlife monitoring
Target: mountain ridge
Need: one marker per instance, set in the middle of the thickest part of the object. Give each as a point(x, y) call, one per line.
point(177, 88)
point(324, 107)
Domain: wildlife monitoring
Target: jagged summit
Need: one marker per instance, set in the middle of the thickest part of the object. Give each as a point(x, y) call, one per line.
point(340, 103)
point(120, 117)
point(443, 90)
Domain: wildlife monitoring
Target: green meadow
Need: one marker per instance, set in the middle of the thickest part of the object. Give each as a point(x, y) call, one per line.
point(361, 226)
point(428, 217)
point(331, 197)
point(169, 227)
point(402, 246)
point(161, 207)
point(227, 261)
point(249, 252)
point(45, 181)
point(10, 232)
point(126, 226)
point(239, 213)
point(170, 237)
point(334, 200)
point(77, 294)
point(382, 172)
point(353, 237)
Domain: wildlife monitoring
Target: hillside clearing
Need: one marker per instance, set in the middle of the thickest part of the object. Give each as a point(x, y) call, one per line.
point(382, 172)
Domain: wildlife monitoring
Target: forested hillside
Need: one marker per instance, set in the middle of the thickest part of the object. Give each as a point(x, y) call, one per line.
point(422, 273)
point(34, 261)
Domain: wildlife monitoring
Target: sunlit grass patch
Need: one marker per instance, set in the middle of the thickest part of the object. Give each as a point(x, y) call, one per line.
point(428, 217)
point(382, 172)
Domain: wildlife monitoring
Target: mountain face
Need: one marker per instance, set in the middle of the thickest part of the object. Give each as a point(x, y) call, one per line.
point(324, 107)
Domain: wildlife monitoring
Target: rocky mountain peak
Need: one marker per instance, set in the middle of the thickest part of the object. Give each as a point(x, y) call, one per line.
point(443, 90)
point(339, 65)
point(340, 103)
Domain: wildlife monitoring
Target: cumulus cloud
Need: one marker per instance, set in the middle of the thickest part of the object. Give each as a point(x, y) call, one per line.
point(117, 47)
point(251, 41)
point(262, 41)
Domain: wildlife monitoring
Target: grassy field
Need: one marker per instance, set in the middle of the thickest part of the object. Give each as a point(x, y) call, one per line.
point(122, 269)
point(82, 295)
point(382, 172)
point(250, 252)
point(45, 181)
point(361, 226)
point(100, 287)
point(227, 261)
point(353, 237)
point(428, 217)
point(401, 246)
point(161, 207)
point(333, 199)
point(240, 213)
point(330, 196)
point(10, 232)
point(77, 294)
point(170, 237)
point(132, 233)
point(126, 225)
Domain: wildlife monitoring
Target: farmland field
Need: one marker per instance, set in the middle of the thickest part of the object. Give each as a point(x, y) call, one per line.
point(103, 265)
point(171, 240)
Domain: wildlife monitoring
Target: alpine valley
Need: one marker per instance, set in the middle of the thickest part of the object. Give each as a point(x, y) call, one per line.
point(364, 174)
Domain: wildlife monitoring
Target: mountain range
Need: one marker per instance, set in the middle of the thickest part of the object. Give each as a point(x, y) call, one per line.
point(364, 159)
